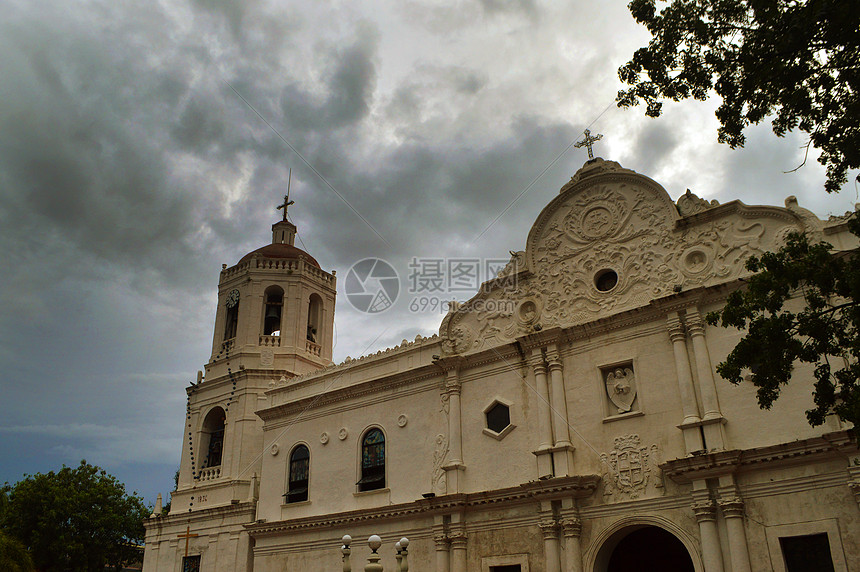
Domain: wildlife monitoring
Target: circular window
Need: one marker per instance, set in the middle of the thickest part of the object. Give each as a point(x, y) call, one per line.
point(606, 280)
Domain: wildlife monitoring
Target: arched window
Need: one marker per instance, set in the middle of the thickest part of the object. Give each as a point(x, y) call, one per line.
point(273, 306)
point(232, 321)
point(372, 461)
point(213, 437)
point(297, 486)
point(314, 318)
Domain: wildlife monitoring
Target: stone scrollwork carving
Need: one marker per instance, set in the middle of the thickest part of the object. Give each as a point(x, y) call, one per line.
point(630, 468)
point(621, 387)
point(609, 217)
point(516, 265)
point(689, 204)
point(439, 484)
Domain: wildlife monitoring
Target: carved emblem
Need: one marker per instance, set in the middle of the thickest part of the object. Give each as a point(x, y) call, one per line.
point(267, 357)
point(621, 388)
point(528, 312)
point(597, 222)
point(629, 468)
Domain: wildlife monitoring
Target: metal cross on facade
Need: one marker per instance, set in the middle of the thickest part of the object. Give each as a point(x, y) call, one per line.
point(188, 535)
point(587, 142)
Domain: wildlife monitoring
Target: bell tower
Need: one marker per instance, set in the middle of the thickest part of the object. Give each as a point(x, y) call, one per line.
point(275, 318)
point(275, 309)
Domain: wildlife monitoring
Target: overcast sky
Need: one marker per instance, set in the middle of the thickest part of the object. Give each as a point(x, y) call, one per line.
point(136, 156)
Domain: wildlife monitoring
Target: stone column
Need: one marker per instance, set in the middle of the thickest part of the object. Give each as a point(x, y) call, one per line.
point(559, 403)
point(458, 551)
point(733, 511)
point(692, 434)
point(544, 415)
point(443, 550)
point(714, 438)
point(455, 432)
point(571, 527)
point(549, 528)
point(562, 447)
point(706, 515)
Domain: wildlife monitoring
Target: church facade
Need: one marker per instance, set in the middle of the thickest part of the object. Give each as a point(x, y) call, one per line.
point(567, 418)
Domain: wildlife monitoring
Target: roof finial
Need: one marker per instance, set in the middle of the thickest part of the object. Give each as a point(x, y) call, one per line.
point(587, 142)
point(287, 201)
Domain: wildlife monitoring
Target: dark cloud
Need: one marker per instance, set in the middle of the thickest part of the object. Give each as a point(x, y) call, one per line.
point(654, 145)
point(130, 170)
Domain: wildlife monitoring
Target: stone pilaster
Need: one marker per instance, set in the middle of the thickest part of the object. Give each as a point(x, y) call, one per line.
point(690, 424)
point(458, 550)
point(562, 454)
point(454, 467)
point(712, 418)
point(549, 529)
point(571, 528)
point(706, 516)
point(443, 552)
point(733, 511)
point(544, 450)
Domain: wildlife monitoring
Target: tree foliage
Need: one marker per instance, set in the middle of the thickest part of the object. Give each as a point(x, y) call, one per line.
point(75, 519)
point(795, 60)
point(802, 305)
point(13, 555)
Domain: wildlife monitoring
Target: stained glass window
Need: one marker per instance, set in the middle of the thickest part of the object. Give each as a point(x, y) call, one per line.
point(372, 461)
point(191, 564)
point(298, 478)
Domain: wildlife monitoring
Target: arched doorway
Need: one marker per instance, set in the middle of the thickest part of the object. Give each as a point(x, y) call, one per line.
point(643, 548)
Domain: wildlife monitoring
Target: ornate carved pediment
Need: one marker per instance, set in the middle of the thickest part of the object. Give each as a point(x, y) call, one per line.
point(612, 240)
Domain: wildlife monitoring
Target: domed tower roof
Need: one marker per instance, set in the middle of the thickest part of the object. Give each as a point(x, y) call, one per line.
point(281, 250)
point(283, 242)
point(275, 309)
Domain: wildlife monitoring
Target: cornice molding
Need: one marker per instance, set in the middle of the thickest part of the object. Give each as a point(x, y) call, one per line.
point(356, 391)
point(201, 515)
point(576, 487)
point(739, 208)
point(709, 465)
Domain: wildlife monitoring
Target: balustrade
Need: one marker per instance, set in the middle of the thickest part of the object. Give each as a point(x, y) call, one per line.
point(270, 341)
point(209, 473)
point(313, 348)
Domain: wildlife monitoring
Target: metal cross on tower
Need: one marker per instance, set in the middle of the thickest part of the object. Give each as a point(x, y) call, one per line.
point(287, 201)
point(587, 141)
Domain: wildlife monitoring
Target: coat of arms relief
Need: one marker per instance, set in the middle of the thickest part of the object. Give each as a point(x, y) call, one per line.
point(621, 387)
point(630, 468)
